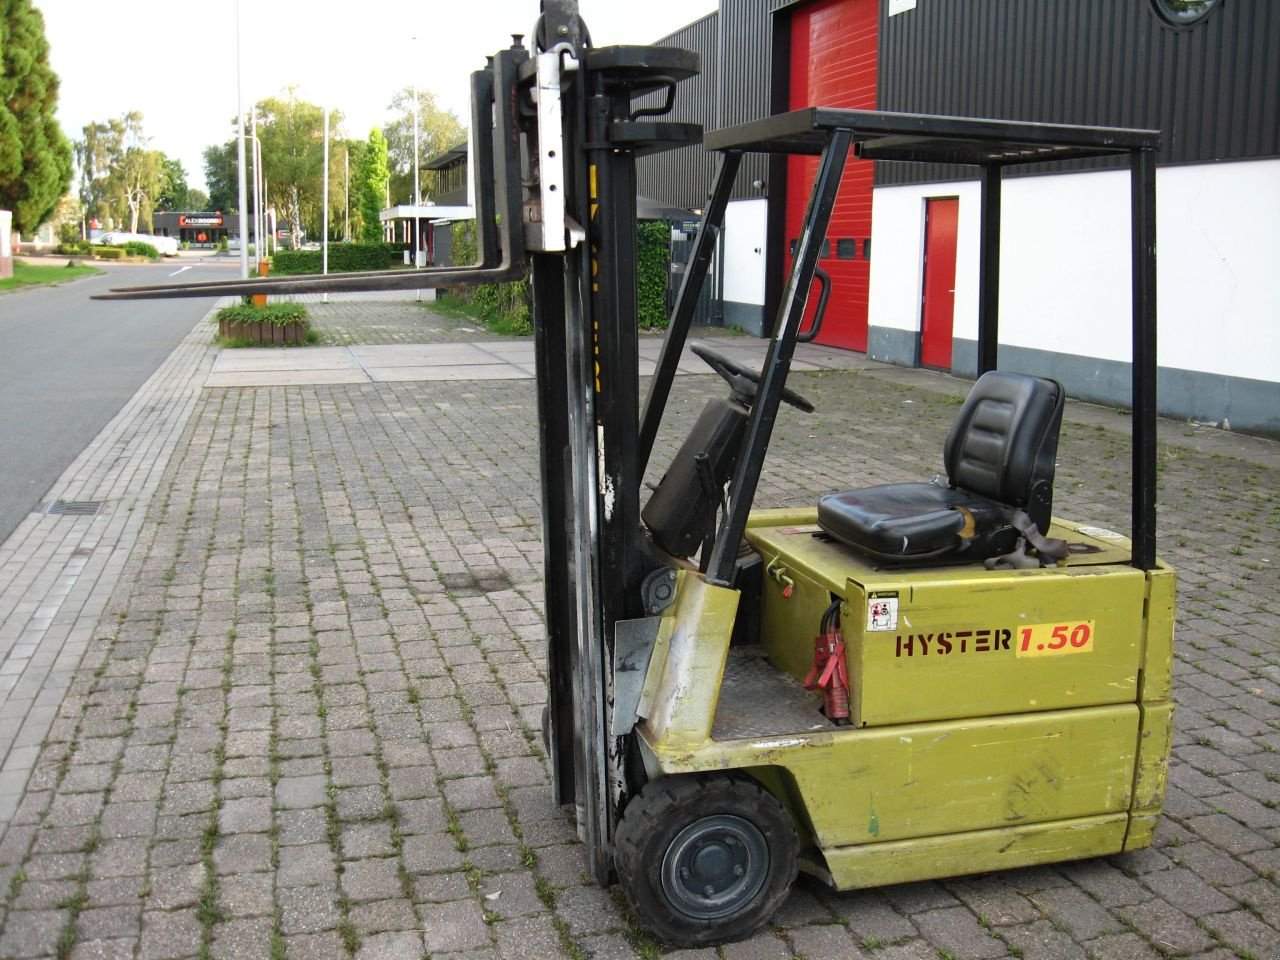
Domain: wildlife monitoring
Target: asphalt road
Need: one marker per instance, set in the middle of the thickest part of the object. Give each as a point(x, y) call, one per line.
point(68, 364)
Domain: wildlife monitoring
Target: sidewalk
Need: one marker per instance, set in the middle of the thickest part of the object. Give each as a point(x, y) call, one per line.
point(280, 696)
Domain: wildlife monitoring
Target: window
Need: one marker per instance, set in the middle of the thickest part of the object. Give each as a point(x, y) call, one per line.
point(847, 249)
point(1183, 13)
point(866, 249)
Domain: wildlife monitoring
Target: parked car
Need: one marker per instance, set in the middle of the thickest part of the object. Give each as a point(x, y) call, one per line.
point(166, 246)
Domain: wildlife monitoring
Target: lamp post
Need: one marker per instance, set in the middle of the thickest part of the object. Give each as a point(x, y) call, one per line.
point(244, 247)
point(257, 192)
point(259, 189)
point(417, 181)
point(324, 215)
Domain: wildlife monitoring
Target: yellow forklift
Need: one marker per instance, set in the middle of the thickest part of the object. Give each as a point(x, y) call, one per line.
point(897, 683)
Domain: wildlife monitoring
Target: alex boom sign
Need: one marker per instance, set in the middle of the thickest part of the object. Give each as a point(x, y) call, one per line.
point(1032, 640)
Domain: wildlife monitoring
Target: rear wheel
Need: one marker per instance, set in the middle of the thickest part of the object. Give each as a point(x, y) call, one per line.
point(705, 859)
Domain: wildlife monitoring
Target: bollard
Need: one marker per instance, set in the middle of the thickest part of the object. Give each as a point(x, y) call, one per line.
point(264, 268)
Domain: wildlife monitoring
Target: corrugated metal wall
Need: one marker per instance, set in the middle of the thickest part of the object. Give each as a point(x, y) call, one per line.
point(746, 65)
point(1213, 89)
point(737, 61)
point(683, 177)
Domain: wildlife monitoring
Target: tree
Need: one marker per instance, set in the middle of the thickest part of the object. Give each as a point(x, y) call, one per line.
point(292, 135)
point(371, 186)
point(174, 193)
point(197, 199)
point(35, 157)
point(119, 173)
point(94, 155)
point(438, 130)
point(220, 175)
point(137, 178)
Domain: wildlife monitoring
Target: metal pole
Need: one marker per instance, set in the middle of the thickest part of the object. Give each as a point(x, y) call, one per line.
point(417, 195)
point(324, 216)
point(773, 378)
point(270, 228)
point(264, 241)
point(989, 271)
point(1142, 187)
point(257, 193)
point(244, 247)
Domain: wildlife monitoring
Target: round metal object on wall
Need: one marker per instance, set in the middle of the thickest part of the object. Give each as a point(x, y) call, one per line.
point(1183, 13)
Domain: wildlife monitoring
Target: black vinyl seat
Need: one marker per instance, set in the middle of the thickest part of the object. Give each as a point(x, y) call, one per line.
point(999, 459)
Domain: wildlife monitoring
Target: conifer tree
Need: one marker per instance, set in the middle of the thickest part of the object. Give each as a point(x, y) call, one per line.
point(35, 157)
point(372, 185)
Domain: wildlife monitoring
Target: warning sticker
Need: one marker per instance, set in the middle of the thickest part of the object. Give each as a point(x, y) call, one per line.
point(882, 611)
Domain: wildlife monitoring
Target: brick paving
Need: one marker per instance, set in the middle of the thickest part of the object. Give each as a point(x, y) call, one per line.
point(57, 571)
point(391, 317)
point(305, 722)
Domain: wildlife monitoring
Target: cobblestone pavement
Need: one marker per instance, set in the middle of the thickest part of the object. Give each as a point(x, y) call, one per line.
point(305, 724)
point(393, 317)
point(399, 317)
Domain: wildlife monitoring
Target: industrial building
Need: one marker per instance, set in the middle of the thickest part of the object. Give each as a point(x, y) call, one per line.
point(902, 250)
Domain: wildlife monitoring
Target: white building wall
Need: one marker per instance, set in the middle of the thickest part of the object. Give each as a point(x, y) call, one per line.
point(1065, 258)
point(1219, 268)
point(742, 262)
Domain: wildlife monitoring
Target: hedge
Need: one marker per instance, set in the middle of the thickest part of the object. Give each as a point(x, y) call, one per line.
point(109, 253)
point(343, 258)
point(277, 314)
point(653, 266)
point(512, 302)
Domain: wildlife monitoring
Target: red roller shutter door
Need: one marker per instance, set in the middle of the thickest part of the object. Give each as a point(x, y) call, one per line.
point(833, 64)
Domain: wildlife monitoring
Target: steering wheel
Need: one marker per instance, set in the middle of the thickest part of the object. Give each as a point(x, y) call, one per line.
point(742, 379)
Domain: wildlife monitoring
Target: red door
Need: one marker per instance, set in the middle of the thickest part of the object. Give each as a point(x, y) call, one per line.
point(833, 64)
point(941, 217)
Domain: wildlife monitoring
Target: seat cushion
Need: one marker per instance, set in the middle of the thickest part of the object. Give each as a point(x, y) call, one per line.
point(908, 521)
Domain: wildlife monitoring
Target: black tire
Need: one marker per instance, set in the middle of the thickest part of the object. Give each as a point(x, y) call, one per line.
point(705, 859)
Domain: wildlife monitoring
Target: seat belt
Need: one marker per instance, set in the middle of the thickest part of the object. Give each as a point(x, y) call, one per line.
point(1049, 550)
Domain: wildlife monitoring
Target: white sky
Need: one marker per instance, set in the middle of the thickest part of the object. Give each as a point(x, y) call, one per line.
point(175, 60)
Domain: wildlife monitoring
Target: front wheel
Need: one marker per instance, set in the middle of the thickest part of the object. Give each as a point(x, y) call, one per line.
point(705, 859)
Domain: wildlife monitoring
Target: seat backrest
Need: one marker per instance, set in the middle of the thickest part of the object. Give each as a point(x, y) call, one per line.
point(1004, 442)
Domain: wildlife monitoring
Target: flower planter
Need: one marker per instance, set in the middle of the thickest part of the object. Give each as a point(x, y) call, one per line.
point(264, 333)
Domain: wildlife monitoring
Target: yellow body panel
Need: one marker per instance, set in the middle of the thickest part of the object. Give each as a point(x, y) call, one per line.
point(1001, 718)
point(688, 660)
point(919, 780)
point(905, 861)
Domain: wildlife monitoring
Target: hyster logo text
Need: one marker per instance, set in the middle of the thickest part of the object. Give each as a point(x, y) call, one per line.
point(952, 641)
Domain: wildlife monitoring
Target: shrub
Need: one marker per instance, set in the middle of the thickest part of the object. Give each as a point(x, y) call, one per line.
point(109, 253)
point(75, 248)
point(136, 248)
point(223, 245)
point(68, 232)
point(277, 314)
point(343, 258)
point(507, 307)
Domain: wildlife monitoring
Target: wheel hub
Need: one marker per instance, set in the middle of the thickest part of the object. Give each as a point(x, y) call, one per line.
point(715, 866)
